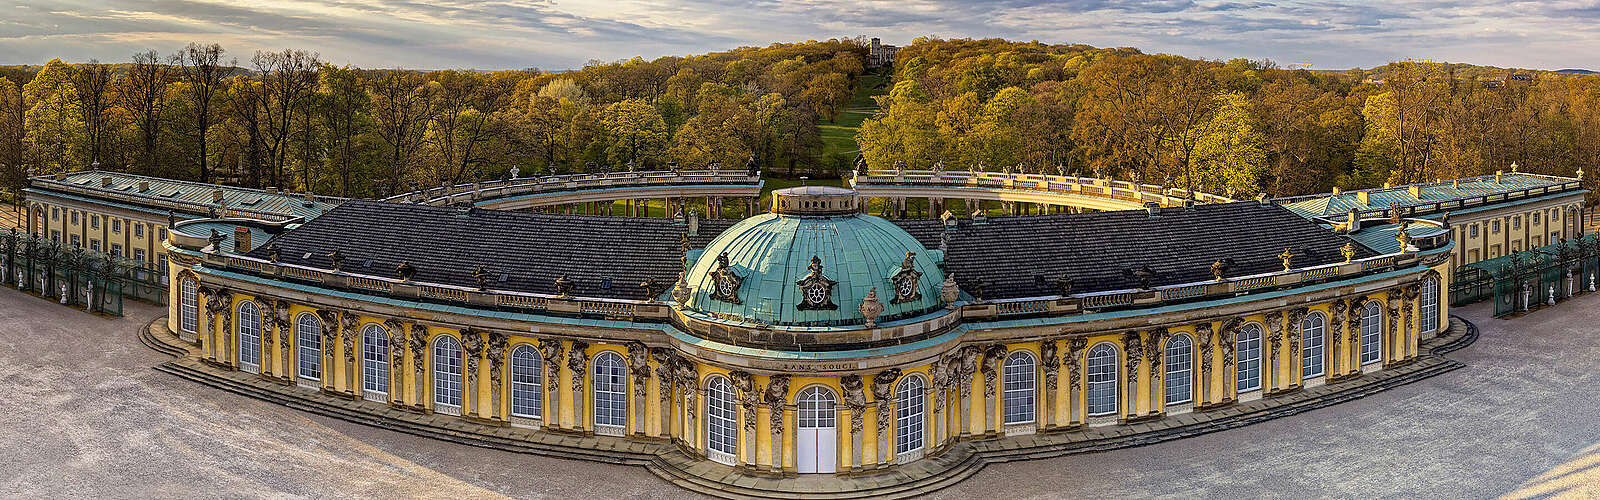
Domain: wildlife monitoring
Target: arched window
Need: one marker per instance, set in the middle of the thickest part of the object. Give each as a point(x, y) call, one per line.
point(816, 406)
point(1313, 330)
point(308, 332)
point(188, 306)
point(1102, 368)
point(722, 424)
point(908, 415)
point(447, 372)
point(374, 363)
point(1430, 305)
point(249, 336)
point(610, 391)
point(1019, 388)
point(527, 378)
point(1249, 350)
point(1180, 370)
point(1371, 333)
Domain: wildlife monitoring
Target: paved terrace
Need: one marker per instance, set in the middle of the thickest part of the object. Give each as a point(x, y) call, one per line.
point(88, 418)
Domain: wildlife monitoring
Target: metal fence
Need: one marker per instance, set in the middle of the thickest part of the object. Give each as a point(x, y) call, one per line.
point(1528, 280)
point(90, 280)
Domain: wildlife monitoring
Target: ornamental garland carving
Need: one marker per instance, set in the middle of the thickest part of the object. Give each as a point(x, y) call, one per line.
point(725, 282)
point(577, 362)
point(347, 328)
point(883, 392)
point(280, 315)
point(664, 361)
point(1203, 338)
point(748, 398)
point(993, 356)
point(496, 352)
point(638, 365)
point(1152, 351)
point(855, 398)
point(1296, 317)
point(969, 367)
point(940, 374)
point(1131, 343)
point(1050, 363)
point(1075, 348)
point(330, 330)
point(816, 289)
point(550, 350)
point(419, 341)
point(1229, 341)
point(1275, 328)
point(397, 343)
point(906, 281)
point(776, 397)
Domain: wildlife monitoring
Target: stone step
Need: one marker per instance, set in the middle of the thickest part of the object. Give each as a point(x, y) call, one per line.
point(964, 465)
point(415, 428)
point(155, 343)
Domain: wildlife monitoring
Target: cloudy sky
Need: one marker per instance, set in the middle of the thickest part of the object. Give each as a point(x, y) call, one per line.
point(558, 34)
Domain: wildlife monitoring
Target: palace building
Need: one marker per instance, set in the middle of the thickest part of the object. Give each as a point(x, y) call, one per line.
point(812, 338)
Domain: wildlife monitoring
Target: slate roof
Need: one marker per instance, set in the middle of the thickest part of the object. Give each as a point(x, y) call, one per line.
point(531, 250)
point(193, 197)
point(1341, 203)
point(1024, 256)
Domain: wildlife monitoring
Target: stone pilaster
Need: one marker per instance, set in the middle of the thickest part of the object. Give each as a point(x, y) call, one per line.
point(1050, 362)
point(855, 401)
point(1153, 351)
point(578, 364)
point(639, 368)
point(1269, 369)
point(993, 356)
point(418, 342)
point(776, 398)
point(551, 350)
point(1075, 347)
point(1203, 341)
point(496, 353)
point(1134, 348)
point(397, 360)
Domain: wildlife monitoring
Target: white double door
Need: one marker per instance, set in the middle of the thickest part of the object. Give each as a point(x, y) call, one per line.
point(818, 450)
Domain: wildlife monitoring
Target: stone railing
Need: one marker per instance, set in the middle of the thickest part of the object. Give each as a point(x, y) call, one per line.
point(559, 184)
point(441, 293)
point(1183, 292)
point(1123, 191)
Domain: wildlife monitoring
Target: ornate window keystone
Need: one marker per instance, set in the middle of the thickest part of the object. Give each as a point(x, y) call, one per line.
point(818, 289)
point(726, 283)
point(906, 280)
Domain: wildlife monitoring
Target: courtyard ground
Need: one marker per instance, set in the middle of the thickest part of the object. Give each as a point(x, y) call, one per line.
point(87, 417)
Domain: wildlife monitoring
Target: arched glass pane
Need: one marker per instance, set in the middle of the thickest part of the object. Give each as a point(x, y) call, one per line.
point(447, 371)
point(1102, 380)
point(1372, 333)
point(308, 333)
point(908, 415)
point(1019, 388)
point(816, 408)
point(188, 306)
point(249, 334)
point(1180, 369)
point(1312, 333)
point(610, 390)
point(527, 378)
point(1249, 351)
point(374, 360)
point(722, 433)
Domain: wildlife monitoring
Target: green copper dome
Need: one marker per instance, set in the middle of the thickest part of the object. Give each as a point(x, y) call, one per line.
point(765, 269)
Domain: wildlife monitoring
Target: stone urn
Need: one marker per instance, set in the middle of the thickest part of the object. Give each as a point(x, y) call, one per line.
point(871, 308)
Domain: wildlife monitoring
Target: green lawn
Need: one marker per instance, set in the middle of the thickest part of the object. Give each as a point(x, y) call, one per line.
point(839, 134)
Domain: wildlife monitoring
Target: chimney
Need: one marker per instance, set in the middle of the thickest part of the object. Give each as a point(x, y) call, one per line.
point(694, 223)
point(105, 181)
point(311, 197)
point(216, 195)
point(1153, 207)
point(144, 186)
point(1497, 175)
point(1415, 190)
point(241, 239)
point(1364, 197)
point(1353, 221)
point(272, 189)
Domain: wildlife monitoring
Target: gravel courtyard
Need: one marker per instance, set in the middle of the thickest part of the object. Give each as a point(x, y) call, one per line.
point(87, 417)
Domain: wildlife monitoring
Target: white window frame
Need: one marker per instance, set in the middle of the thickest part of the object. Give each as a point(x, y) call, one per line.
point(374, 363)
point(188, 305)
point(1248, 344)
point(816, 408)
point(308, 346)
point(1429, 297)
point(1100, 378)
point(1313, 338)
point(248, 329)
point(909, 427)
point(609, 388)
point(1019, 383)
point(1371, 333)
point(527, 382)
point(722, 421)
point(448, 375)
point(1179, 363)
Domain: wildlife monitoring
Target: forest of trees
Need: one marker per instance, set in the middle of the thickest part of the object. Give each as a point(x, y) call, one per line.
point(288, 119)
point(1239, 126)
